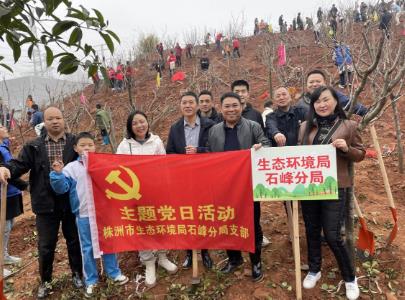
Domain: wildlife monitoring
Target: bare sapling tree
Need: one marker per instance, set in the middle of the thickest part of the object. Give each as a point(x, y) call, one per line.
point(385, 72)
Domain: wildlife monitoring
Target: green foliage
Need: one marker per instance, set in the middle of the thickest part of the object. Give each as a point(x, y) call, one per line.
point(147, 44)
point(18, 16)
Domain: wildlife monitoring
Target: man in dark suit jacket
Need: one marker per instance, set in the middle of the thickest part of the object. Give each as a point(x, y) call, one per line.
point(189, 135)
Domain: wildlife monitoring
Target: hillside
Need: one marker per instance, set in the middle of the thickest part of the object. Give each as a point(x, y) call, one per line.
point(161, 105)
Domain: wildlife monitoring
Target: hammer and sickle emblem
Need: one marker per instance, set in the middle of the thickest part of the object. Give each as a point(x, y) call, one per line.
point(132, 192)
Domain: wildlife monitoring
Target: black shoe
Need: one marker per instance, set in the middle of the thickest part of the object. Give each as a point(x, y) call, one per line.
point(206, 259)
point(43, 290)
point(230, 267)
point(77, 281)
point(188, 262)
point(257, 274)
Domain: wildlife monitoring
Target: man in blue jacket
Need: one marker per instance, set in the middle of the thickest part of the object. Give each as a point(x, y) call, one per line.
point(189, 135)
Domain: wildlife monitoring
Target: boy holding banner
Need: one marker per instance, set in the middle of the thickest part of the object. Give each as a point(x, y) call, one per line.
point(73, 179)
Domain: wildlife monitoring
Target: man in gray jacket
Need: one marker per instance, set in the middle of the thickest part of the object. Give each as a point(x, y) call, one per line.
point(237, 133)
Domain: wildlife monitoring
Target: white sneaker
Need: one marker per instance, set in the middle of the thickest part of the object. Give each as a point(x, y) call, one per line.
point(11, 260)
point(352, 290)
point(166, 264)
point(265, 242)
point(121, 279)
point(6, 273)
point(311, 280)
point(150, 273)
point(90, 291)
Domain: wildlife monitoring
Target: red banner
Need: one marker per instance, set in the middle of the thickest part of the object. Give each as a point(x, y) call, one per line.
point(201, 201)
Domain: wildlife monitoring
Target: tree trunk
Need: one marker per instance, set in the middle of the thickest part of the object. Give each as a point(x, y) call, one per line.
point(131, 102)
point(398, 134)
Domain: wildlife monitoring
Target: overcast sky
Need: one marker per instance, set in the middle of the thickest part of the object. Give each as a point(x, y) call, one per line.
point(131, 18)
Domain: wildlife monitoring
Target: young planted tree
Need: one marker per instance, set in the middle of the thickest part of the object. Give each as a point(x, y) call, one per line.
point(20, 19)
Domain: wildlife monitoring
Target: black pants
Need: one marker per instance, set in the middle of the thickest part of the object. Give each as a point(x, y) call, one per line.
point(235, 256)
point(48, 229)
point(327, 215)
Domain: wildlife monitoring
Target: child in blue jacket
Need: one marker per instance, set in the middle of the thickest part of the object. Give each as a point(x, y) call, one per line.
point(72, 178)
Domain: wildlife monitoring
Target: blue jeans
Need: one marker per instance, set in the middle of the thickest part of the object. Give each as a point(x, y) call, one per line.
point(7, 230)
point(90, 272)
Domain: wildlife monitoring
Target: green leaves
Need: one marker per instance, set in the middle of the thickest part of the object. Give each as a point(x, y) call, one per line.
point(75, 36)
point(108, 41)
point(49, 56)
point(63, 26)
point(16, 31)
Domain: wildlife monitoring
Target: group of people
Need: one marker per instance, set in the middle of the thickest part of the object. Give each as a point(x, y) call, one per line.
point(120, 78)
point(58, 176)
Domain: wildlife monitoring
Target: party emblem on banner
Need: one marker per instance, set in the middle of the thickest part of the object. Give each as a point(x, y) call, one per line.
point(132, 190)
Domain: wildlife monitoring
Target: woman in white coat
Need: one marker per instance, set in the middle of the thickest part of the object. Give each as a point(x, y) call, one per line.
point(140, 141)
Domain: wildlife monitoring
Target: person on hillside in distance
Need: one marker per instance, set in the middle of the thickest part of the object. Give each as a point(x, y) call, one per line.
point(207, 39)
point(111, 77)
point(237, 133)
point(343, 60)
point(294, 24)
point(179, 52)
point(72, 179)
point(204, 62)
point(317, 33)
point(236, 46)
point(189, 49)
point(159, 49)
point(317, 78)
point(256, 27)
point(37, 116)
point(218, 39)
point(119, 80)
point(14, 201)
point(189, 135)
point(385, 22)
point(319, 15)
point(171, 60)
point(103, 123)
point(281, 23)
point(50, 209)
point(140, 141)
point(300, 23)
point(325, 115)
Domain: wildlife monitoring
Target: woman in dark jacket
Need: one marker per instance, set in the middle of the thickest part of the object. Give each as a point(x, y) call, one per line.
point(328, 215)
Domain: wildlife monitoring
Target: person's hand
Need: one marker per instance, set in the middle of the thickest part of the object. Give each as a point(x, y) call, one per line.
point(340, 144)
point(257, 146)
point(4, 175)
point(57, 166)
point(191, 150)
point(280, 139)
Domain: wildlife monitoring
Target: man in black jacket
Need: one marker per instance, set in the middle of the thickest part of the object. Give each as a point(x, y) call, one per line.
point(241, 87)
point(189, 135)
point(206, 107)
point(282, 125)
point(50, 209)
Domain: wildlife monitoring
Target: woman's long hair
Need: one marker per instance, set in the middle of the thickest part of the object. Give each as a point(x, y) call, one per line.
point(130, 133)
point(312, 116)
